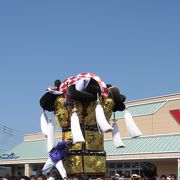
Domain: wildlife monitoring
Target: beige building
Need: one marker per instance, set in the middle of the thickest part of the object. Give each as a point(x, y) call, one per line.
point(158, 118)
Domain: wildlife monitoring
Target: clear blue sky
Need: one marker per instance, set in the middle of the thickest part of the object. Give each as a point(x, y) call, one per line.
point(134, 45)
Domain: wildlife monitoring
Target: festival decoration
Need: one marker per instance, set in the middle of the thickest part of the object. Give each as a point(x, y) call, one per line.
point(116, 137)
point(133, 130)
point(44, 123)
point(75, 128)
point(101, 119)
point(83, 105)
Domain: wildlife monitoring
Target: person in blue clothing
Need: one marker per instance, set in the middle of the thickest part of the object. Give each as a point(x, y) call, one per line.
point(56, 156)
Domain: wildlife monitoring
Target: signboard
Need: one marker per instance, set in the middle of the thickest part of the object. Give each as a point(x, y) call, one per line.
point(6, 156)
point(176, 115)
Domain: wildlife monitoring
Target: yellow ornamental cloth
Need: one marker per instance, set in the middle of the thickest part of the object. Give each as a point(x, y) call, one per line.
point(82, 158)
point(107, 105)
point(73, 164)
point(68, 135)
point(94, 164)
point(86, 114)
point(94, 140)
point(63, 113)
point(90, 118)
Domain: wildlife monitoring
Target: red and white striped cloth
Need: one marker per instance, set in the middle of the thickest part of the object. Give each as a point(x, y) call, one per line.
point(73, 79)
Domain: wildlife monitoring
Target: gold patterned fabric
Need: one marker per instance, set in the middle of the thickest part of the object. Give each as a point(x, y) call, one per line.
point(94, 164)
point(86, 113)
point(68, 135)
point(63, 113)
point(88, 157)
point(94, 140)
point(108, 104)
point(73, 164)
point(88, 164)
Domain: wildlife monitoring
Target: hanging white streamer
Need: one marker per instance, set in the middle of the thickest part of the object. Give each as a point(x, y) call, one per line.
point(44, 124)
point(76, 129)
point(133, 130)
point(50, 137)
point(101, 119)
point(117, 141)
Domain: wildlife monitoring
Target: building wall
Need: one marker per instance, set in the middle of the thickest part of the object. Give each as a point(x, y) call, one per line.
point(166, 167)
point(163, 122)
point(37, 136)
point(159, 123)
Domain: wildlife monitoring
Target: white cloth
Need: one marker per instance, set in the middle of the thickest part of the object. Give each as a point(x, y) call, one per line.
point(81, 84)
point(59, 165)
point(55, 92)
point(50, 178)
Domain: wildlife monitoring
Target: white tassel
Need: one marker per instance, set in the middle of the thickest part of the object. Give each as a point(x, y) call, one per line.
point(50, 137)
point(44, 124)
point(131, 126)
point(117, 141)
point(75, 128)
point(101, 119)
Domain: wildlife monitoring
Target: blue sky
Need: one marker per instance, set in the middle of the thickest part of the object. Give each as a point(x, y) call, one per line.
point(134, 45)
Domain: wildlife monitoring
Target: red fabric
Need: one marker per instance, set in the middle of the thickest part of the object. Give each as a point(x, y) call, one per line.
point(73, 79)
point(176, 115)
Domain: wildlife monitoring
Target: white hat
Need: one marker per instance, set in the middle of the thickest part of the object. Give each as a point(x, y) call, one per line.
point(135, 175)
point(50, 178)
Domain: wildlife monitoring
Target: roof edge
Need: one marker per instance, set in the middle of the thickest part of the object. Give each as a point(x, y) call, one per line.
point(154, 97)
point(146, 136)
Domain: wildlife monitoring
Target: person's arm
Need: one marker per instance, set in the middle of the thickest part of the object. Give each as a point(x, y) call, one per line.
point(62, 145)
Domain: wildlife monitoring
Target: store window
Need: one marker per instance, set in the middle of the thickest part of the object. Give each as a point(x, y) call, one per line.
point(135, 165)
point(127, 165)
point(135, 171)
point(111, 165)
point(119, 165)
point(126, 168)
point(119, 172)
point(127, 173)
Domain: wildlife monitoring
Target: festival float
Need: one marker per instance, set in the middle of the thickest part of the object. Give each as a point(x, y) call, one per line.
point(83, 106)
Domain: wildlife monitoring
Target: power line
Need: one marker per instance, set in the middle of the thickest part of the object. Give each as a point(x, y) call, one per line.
point(7, 130)
point(8, 141)
point(9, 137)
